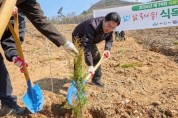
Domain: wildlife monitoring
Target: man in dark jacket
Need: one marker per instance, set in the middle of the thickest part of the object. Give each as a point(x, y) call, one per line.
point(89, 33)
point(32, 10)
point(120, 35)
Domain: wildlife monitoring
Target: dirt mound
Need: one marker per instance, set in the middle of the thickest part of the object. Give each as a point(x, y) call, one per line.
point(139, 83)
point(162, 40)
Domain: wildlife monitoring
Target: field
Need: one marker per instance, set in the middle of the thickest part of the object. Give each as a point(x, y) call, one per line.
point(141, 82)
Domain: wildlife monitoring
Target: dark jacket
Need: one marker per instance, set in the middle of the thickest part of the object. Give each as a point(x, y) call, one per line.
point(91, 32)
point(7, 40)
point(32, 10)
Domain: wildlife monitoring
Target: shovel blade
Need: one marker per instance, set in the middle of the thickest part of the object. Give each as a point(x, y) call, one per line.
point(72, 93)
point(33, 99)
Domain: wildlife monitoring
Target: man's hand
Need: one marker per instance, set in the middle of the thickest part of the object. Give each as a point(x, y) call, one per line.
point(106, 53)
point(15, 11)
point(70, 48)
point(20, 63)
point(91, 70)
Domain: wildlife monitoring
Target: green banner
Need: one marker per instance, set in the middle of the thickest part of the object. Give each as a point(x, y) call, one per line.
point(153, 5)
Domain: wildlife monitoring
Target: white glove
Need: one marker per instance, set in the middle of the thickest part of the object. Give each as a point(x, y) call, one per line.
point(19, 62)
point(70, 48)
point(91, 70)
point(106, 53)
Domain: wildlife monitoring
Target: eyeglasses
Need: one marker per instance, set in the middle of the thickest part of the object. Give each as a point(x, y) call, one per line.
point(108, 25)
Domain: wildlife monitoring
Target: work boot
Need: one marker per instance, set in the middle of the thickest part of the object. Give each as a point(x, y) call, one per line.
point(98, 83)
point(14, 110)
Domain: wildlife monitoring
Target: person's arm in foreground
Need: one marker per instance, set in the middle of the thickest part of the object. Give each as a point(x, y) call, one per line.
point(33, 12)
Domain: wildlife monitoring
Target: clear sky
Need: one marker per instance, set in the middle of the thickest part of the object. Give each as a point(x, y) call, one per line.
point(139, 0)
point(51, 7)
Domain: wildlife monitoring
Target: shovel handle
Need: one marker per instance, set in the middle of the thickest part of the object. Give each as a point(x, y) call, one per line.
point(103, 58)
point(6, 9)
point(15, 33)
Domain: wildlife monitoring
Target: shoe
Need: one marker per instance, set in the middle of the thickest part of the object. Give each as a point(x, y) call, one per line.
point(14, 110)
point(98, 83)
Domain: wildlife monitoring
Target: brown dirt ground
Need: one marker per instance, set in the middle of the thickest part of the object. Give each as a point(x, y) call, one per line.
point(147, 89)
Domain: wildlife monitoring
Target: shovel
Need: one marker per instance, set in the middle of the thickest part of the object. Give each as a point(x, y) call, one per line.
point(72, 90)
point(33, 99)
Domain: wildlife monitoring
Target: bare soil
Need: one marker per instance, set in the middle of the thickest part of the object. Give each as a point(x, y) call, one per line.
point(140, 83)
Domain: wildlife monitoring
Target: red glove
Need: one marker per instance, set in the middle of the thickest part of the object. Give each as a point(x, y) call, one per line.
point(15, 11)
point(20, 63)
point(106, 53)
